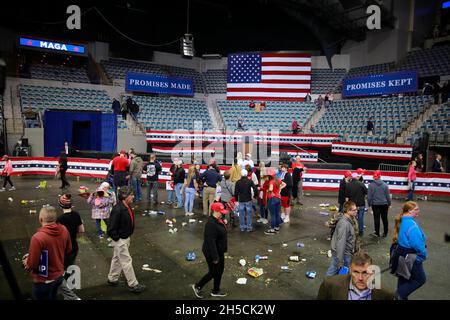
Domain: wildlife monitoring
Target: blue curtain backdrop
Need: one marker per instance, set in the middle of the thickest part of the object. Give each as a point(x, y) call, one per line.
point(59, 127)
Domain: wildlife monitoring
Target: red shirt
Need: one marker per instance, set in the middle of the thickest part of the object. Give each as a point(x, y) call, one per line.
point(264, 189)
point(276, 190)
point(412, 174)
point(120, 163)
point(299, 165)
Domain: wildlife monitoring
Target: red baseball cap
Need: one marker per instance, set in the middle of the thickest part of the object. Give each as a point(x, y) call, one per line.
point(272, 172)
point(377, 175)
point(348, 174)
point(217, 206)
point(123, 151)
point(360, 171)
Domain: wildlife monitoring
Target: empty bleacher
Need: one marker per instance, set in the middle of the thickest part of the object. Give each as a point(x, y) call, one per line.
point(370, 70)
point(389, 115)
point(157, 113)
point(215, 81)
point(117, 69)
point(41, 98)
point(428, 62)
point(59, 73)
point(276, 115)
point(437, 126)
point(324, 81)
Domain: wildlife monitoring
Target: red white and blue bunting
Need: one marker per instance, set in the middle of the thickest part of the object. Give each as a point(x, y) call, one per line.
point(372, 150)
point(437, 184)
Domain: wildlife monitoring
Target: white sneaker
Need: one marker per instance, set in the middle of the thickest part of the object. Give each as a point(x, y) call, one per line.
point(260, 220)
point(265, 221)
point(286, 219)
point(12, 188)
point(2, 189)
point(283, 216)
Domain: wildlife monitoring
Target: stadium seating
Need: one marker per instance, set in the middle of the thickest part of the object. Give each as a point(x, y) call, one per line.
point(158, 113)
point(59, 73)
point(276, 115)
point(41, 98)
point(370, 70)
point(117, 69)
point(428, 62)
point(215, 81)
point(389, 115)
point(324, 81)
point(437, 126)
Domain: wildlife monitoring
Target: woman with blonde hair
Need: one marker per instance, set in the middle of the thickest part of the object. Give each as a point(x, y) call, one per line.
point(190, 189)
point(410, 243)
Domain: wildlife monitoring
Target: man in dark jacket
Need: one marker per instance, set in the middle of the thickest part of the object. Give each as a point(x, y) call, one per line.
point(178, 180)
point(116, 106)
point(243, 196)
point(215, 245)
point(120, 229)
point(356, 191)
point(152, 169)
point(379, 199)
point(355, 285)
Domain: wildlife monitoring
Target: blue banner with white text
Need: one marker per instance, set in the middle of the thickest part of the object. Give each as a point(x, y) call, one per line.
point(381, 84)
point(158, 84)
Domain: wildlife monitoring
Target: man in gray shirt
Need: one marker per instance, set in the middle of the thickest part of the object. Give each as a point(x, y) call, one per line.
point(343, 241)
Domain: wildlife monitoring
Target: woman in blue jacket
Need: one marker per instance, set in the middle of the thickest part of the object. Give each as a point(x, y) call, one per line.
point(410, 239)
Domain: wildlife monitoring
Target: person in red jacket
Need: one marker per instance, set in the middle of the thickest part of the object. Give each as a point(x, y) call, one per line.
point(6, 173)
point(411, 180)
point(45, 259)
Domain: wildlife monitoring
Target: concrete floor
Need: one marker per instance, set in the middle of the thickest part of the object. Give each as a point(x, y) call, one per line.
point(153, 244)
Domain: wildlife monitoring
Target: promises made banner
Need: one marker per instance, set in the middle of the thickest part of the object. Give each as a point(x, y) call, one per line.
point(151, 83)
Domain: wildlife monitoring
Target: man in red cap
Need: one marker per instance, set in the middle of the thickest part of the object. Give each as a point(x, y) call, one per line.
point(379, 199)
point(215, 245)
point(360, 173)
point(120, 166)
point(342, 186)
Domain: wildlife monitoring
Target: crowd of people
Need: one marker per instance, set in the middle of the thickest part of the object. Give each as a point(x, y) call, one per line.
point(242, 192)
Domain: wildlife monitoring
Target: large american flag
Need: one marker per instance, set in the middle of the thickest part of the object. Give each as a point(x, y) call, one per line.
point(268, 76)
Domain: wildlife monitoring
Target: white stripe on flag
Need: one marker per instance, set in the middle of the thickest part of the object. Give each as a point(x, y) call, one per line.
point(284, 59)
point(284, 68)
point(285, 77)
point(267, 94)
point(269, 85)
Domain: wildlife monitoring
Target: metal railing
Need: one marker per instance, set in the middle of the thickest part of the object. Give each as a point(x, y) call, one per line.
point(392, 167)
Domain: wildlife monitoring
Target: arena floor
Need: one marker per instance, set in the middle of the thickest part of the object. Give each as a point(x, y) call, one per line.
point(152, 244)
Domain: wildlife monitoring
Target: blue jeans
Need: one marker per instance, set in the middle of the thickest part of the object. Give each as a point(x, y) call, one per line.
point(411, 191)
point(417, 279)
point(170, 196)
point(178, 188)
point(98, 223)
point(334, 269)
point(263, 210)
point(189, 199)
point(243, 207)
point(47, 291)
point(136, 185)
point(361, 219)
point(274, 208)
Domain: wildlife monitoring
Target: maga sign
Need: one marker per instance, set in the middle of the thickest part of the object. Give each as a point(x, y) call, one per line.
point(380, 84)
point(158, 84)
point(49, 45)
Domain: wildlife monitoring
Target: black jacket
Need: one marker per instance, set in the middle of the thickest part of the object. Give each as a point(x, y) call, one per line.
point(356, 192)
point(120, 225)
point(342, 187)
point(215, 242)
point(296, 175)
point(243, 190)
point(287, 191)
point(153, 169)
point(179, 175)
